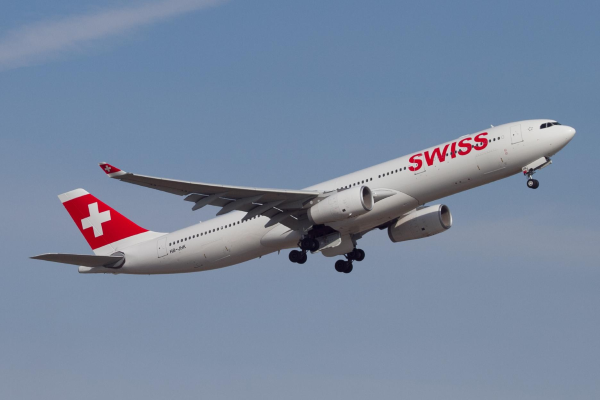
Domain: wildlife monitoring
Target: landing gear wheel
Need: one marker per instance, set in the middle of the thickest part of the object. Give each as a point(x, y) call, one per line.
point(533, 183)
point(348, 267)
point(343, 266)
point(295, 256)
point(315, 245)
point(303, 258)
point(309, 244)
point(358, 254)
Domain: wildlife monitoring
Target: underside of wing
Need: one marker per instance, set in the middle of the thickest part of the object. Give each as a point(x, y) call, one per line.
point(281, 206)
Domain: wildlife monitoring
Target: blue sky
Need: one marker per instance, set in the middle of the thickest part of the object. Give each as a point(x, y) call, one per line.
point(287, 94)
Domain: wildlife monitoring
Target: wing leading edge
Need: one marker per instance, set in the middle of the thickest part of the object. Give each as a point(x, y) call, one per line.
point(282, 206)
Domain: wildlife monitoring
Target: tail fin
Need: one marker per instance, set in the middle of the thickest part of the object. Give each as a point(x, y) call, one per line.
point(103, 227)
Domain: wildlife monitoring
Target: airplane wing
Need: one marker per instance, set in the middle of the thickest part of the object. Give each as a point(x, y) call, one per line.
point(282, 206)
point(81, 259)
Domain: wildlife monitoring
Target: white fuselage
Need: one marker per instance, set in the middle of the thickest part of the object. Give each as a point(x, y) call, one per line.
point(226, 240)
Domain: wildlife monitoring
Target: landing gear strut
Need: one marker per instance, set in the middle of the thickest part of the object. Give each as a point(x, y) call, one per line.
point(346, 266)
point(532, 168)
point(531, 183)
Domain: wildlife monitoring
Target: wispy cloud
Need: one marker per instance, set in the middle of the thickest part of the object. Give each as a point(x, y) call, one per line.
point(42, 40)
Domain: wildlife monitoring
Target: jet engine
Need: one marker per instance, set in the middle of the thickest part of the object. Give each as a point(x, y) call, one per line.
point(424, 222)
point(342, 205)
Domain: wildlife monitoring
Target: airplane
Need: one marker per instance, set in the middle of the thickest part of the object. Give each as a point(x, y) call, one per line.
point(327, 218)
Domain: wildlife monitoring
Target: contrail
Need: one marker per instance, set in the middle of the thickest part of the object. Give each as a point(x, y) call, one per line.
point(39, 41)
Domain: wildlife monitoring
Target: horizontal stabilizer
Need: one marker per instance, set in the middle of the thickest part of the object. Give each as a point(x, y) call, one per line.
point(83, 260)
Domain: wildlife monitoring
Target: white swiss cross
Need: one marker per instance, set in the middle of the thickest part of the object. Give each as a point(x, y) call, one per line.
point(107, 168)
point(96, 219)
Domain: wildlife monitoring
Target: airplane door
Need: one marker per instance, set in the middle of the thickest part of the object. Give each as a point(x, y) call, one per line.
point(161, 246)
point(515, 134)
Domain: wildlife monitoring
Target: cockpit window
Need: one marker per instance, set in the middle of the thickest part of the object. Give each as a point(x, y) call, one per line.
point(549, 124)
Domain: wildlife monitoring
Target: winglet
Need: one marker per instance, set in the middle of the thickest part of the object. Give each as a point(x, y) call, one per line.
point(110, 170)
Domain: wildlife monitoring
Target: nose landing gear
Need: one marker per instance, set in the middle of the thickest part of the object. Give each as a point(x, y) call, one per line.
point(533, 183)
point(532, 168)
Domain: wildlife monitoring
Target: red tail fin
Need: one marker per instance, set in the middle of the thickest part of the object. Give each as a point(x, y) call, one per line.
point(99, 223)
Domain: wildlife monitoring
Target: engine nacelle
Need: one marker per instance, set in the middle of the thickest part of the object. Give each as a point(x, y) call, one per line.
point(421, 223)
point(346, 204)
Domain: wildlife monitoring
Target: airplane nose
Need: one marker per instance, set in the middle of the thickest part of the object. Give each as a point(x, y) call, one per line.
point(570, 132)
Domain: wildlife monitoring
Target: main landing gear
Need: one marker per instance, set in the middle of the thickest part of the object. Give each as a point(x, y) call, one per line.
point(298, 257)
point(307, 244)
point(346, 266)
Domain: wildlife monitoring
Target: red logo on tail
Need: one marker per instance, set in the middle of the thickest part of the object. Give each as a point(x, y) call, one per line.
point(98, 222)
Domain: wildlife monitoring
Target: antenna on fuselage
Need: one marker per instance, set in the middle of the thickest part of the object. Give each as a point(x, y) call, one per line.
point(491, 125)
